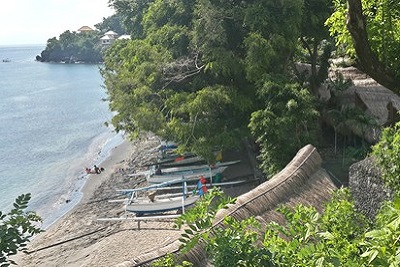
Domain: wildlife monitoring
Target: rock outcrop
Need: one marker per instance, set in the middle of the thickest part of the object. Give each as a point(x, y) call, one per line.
point(367, 187)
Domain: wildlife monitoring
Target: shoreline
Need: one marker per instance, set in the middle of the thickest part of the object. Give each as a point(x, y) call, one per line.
point(78, 239)
point(116, 159)
point(71, 192)
point(117, 156)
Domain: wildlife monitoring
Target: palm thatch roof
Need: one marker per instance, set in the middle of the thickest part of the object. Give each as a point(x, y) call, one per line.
point(85, 29)
point(373, 99)
point(302, 181)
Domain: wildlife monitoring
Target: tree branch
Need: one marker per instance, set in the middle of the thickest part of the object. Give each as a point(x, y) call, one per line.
point(369, 62)
point(181, 70)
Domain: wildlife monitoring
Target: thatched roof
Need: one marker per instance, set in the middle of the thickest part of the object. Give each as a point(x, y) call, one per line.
point(85, 29)
point(375, 100)
point(301, 181)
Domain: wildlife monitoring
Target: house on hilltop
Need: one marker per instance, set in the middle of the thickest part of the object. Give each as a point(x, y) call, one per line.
point(85, 29)
point(108, 38)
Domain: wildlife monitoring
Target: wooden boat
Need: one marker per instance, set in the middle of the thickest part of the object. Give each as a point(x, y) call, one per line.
point(163, 206)
point(172, 170)
point(169, 185)
point(182, 161)
point(156, 206)
point(173, 159)
point(185, 176)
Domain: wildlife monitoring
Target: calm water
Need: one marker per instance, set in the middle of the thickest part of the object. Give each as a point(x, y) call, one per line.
point(51, 126)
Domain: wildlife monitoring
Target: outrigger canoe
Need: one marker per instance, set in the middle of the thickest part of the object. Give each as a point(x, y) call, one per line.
point(159, 207)
point(173, 170)
point(181, 161)
point(187, 176)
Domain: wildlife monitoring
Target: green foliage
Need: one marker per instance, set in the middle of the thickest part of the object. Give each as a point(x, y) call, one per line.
point(382, 21)
point(72, 47)
point(16, 229)
point(112, 23)
point(381, 245)
point(387, 154)
point(132, 14)
point(337, 28)
point(289, 114)
point(199, 219)
point(234, 244)
point(211, 62)
point(170, 261)
point(339, 236)
point(313, 239)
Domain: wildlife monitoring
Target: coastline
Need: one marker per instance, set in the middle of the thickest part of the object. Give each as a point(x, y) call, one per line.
point(78, 239)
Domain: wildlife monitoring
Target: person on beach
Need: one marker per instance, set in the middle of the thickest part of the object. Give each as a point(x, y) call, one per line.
point(96, 169)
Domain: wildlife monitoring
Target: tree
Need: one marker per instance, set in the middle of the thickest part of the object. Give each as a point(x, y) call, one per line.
point(376, 66)
point(315, 38)
point(113, 23)
point(197, 70)
point(176, 88)
point(73, 46)
point(387, 154)
point(16, 229)
point(289, 114)
point(374, 36)
point(131, 12)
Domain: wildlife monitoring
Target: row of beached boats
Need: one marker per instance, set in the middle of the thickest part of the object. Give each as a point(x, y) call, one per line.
point(179, 177)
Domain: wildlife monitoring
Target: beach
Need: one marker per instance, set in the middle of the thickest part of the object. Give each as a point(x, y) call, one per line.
point(79, 239)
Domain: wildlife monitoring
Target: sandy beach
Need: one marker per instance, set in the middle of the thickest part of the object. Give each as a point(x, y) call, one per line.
point(79, 239)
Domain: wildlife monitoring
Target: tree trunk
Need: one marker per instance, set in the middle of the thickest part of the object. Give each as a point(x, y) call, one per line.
point(313, 51)
point(368, 61)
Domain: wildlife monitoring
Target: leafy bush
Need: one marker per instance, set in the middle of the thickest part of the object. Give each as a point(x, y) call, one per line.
point(387, 154)
point(16, 229)
point(310, 238)
point(170, 261)
point(339, 236)
point(381, 244)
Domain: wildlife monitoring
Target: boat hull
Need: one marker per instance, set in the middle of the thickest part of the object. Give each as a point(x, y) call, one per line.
point(158, 207)
point(189, 176)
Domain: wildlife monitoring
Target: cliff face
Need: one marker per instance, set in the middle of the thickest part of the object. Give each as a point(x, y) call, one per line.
point(367, 187)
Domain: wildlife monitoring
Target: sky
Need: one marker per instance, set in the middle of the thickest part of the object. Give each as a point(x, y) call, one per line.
point(36, 21)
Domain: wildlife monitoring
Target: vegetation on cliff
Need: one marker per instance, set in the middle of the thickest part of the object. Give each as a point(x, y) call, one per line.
point(84, 47)
point(73, 47)
point(210, 73)
point(201, 72)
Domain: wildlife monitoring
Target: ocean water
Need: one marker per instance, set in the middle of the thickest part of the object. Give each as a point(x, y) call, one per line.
point(51, 127)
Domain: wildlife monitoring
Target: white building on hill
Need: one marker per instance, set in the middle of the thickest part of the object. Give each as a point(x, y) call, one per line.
point(108, 38)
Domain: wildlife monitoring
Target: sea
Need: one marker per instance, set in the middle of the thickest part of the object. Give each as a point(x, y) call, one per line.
point(52, 125)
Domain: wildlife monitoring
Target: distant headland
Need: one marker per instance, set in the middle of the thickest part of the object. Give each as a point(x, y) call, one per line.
point(86, 45)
